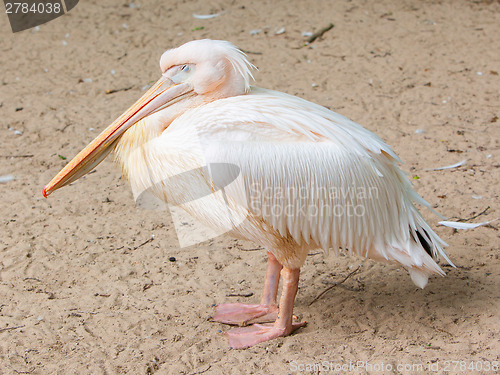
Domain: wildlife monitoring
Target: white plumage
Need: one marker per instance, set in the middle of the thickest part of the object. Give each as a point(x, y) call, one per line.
point(296, 158)
point(307, 177)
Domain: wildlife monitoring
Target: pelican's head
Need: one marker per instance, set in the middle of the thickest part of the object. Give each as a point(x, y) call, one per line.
point(197, 72)
point(214, 68)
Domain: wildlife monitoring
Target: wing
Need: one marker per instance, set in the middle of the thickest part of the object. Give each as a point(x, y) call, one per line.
point(286, 116)
point(316, 175)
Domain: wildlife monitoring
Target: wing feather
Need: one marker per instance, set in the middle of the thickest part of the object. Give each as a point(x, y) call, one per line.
point(304, 167)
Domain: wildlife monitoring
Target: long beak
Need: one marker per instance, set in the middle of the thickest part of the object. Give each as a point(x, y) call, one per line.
point(163, 93)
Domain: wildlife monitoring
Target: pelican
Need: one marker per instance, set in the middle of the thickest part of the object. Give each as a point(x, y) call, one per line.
point(290, 175)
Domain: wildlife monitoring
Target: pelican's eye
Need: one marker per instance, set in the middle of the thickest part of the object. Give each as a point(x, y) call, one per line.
point(180, 73)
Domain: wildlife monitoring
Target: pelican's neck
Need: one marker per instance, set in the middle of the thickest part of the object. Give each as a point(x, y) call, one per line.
point(146, 158)
point(142, 159)
point(130, 149)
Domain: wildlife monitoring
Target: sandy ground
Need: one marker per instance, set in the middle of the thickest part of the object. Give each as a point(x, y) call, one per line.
point(83, 291)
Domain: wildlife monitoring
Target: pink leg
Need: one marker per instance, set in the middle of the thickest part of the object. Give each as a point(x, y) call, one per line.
point(240, 338)
point(272, 281)
point(243, 314)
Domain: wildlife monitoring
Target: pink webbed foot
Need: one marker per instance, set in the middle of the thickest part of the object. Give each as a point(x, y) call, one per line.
point(245, 337)
point(241, 314)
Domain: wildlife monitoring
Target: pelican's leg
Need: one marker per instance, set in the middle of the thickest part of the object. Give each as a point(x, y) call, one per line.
point(242, 314)
point(244, 337)
point(270, 292)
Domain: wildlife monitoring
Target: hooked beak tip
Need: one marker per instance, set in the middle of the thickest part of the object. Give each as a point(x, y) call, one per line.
point(44, 192)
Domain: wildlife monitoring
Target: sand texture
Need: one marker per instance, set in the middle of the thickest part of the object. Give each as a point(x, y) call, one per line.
point(86, 285)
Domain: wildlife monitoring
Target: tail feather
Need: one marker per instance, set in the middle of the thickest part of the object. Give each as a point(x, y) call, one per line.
point(427, 266)
point(425, 242)
point(418, 277)
point(417, 253)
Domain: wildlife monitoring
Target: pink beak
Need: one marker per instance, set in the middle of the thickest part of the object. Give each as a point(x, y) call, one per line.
point(159, 96)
